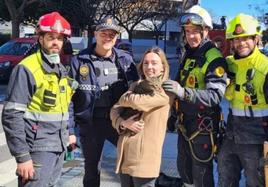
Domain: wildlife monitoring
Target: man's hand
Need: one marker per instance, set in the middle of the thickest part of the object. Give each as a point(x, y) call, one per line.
point(72, 143)
point(72, 139)
point(25, 170)
point(173, 87)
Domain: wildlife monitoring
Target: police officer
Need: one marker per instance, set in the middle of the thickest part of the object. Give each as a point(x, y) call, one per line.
point(35, 113)
point(248, 95)
point(199, 86)
point(104, 74)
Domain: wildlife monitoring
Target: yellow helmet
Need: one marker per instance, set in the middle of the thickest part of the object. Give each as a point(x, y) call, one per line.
point(242, 25)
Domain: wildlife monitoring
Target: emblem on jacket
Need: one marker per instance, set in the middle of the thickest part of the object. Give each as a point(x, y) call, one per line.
point(219, 71)
point(191, 81)
point(84, 71)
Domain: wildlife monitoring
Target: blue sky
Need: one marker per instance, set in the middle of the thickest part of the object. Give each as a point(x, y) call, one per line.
point(230, 8)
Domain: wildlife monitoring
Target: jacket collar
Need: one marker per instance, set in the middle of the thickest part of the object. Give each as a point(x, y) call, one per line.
point(251, 59)
point(59, 69)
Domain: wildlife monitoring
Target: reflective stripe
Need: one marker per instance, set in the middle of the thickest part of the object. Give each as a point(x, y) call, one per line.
point(46, 117)
point(246, 112)
point(90, 87)
point(104, 87)
point(87, 87)
point(16, 106)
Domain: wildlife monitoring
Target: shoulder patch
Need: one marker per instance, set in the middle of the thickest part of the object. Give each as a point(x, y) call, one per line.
point(219, 71)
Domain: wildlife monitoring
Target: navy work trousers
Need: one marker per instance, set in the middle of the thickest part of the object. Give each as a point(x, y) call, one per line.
point(232, 158)
point(192, 171)
point(92, 141)
point(47, 168)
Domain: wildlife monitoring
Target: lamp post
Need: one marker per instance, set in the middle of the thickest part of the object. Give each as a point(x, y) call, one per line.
point(165, 38)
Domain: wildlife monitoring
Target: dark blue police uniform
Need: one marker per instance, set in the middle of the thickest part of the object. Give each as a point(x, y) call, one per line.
point(101, 83)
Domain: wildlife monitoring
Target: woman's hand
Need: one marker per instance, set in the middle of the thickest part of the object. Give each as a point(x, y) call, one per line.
point(132, 124)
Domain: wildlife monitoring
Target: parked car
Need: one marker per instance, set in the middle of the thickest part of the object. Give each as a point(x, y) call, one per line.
point(13, 51)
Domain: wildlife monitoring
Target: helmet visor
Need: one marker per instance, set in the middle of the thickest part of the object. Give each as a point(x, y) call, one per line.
point(191, 19)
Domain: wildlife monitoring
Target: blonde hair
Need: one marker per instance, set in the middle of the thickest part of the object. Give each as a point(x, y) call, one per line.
point(161, 54)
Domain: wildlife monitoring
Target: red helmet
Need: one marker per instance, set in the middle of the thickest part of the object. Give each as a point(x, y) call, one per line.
point(54, 22)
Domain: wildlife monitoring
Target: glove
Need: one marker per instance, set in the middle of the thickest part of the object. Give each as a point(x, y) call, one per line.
point(173, 87)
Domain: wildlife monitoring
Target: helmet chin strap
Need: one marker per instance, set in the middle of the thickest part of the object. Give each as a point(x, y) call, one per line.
point(203, 35)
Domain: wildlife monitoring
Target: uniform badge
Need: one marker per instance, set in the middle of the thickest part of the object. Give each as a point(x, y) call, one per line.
point(84, 71)
point(191, 81)
point(247, 100)
point(219, 71)
point(238, 30)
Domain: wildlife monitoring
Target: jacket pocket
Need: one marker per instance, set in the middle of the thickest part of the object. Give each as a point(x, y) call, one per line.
point(48, 134)
point(135, 147)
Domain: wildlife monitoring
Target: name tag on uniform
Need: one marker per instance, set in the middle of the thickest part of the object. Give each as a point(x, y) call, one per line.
point(106, 71)
point(110, 71)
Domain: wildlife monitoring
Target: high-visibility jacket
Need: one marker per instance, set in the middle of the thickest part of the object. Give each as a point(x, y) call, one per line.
point(203, 75)
point(196, 77)
point(246, 93)
point(51, 99)
point(248, 115)
point(35, 115)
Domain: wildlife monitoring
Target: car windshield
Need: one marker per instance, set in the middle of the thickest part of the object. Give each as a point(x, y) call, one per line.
point(14, 48)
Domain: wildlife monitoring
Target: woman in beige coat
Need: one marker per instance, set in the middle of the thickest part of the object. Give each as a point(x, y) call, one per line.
point(139, 147)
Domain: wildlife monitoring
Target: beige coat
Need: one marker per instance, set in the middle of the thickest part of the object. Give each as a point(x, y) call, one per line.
point(139, 155)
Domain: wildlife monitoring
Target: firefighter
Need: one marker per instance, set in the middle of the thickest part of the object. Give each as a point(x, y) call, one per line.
point(104, 74)
point(248, 95)
point(199, 87)
point(35, 112)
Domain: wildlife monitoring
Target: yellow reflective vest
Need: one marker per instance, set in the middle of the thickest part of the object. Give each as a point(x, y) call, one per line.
point(196, 76)
point(52, 96)
point(245, 93)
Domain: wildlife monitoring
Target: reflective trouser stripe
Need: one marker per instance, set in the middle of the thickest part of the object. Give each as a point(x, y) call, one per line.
point(46, 117)
point(247, 112)
point(15, 106)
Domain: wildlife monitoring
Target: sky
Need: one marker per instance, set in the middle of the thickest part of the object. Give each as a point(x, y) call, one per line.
point(231, 8)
